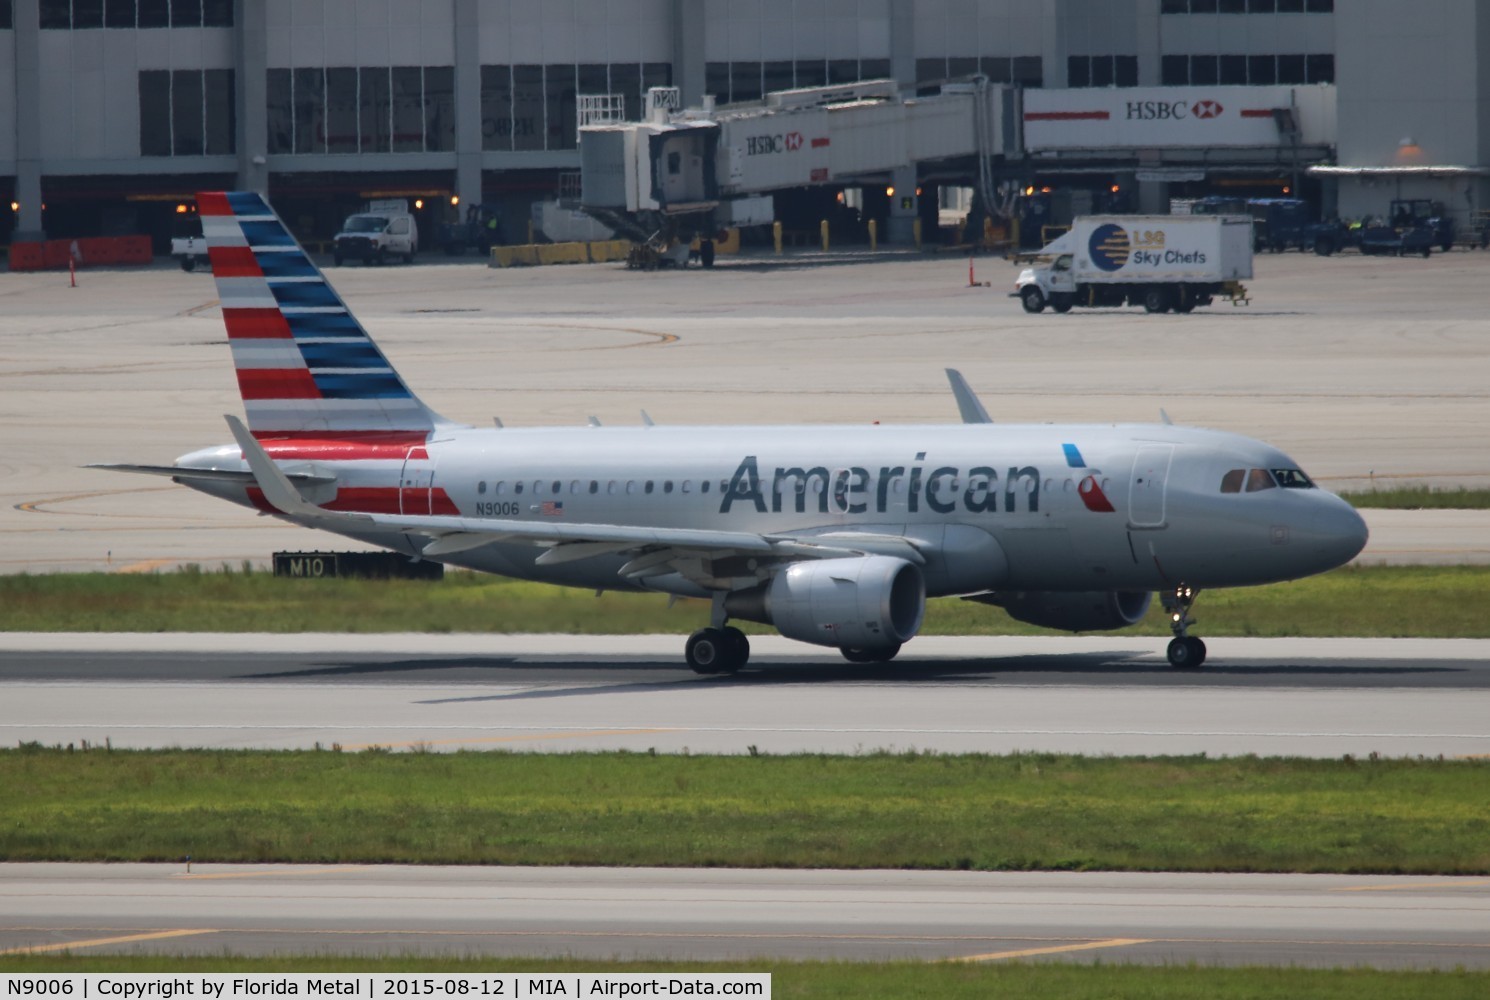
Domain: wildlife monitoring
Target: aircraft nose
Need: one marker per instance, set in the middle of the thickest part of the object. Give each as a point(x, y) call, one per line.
point(1340, 533)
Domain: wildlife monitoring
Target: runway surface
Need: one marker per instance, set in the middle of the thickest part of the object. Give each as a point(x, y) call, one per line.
point(1102, 695)
point(663, 914)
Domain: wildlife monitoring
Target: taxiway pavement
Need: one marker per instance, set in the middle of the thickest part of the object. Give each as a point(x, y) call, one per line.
point(716, 914)
point(1368, 371)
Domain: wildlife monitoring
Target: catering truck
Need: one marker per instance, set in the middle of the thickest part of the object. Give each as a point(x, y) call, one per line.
point(1161, 262)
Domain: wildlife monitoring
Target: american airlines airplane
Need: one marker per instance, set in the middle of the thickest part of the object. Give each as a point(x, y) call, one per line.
point(834, 535)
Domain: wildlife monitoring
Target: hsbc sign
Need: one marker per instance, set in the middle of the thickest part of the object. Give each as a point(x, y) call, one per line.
point(1169, 110)
point(788, 142)
point(1094, 118)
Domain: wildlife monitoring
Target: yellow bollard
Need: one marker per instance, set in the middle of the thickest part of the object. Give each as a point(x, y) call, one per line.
point(776, 236)
point(824, 229)
point(916, 232)
point(874, 234)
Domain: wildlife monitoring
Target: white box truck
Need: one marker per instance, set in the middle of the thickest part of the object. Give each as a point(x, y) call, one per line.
point(1160, 262)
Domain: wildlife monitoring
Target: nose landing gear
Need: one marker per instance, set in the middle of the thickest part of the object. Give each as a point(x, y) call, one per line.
point(1186, 652)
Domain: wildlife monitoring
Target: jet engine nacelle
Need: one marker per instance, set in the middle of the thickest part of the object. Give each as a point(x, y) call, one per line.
point(1087, 611)
point(871, 602)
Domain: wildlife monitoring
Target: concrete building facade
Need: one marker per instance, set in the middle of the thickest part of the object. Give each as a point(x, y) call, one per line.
point(110, 110)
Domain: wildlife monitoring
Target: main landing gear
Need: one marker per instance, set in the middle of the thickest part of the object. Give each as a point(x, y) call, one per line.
point(1186, 651)
point(717, 650)
point(720, 648)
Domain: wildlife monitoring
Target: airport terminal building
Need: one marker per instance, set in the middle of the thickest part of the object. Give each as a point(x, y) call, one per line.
point(113, 111)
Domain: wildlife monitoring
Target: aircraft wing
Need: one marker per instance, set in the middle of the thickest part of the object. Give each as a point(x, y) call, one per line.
point(657, 550)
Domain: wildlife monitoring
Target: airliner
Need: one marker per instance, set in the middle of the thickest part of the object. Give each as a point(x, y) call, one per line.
point(833, 535)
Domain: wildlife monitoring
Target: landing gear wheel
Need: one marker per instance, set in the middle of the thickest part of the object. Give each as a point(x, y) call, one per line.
point(717, 650)
point(1033, 299)
point(739, 648)
point(879, 654)
point(1186, 652)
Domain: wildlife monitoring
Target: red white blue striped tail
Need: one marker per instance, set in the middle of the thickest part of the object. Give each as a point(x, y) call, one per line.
point(306, 367)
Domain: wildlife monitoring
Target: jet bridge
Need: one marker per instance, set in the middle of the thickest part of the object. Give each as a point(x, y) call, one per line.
point(720, 164)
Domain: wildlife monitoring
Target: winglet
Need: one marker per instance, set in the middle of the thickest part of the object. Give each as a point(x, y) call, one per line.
point(967, 401)
point(278, 489)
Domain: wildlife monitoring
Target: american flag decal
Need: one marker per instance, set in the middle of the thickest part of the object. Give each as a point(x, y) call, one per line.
point(552, 508)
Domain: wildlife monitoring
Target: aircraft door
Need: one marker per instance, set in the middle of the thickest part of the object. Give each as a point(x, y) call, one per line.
point(1147, 488)
point(416, 484)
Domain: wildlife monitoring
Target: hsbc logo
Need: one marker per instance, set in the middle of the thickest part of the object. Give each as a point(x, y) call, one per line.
point(1173, 110)
point(757, 145)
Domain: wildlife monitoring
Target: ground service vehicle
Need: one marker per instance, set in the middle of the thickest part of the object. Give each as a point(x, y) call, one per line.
point(1280, 224)
point(191, 250)
point(1162, 262)
point(481, 228)
point(384, 229)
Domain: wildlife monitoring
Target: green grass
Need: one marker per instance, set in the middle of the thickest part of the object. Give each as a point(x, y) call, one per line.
point(871, 980)
point(1420, 498)
point(878, 810)
point(1424, 601)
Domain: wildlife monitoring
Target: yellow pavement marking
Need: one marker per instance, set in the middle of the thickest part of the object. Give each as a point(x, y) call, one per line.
point(277, 871)
point(579, 734)
point(1060, 949)
point(1413, 885)
point(39, 506)
point(148, 566)
point(99, 942)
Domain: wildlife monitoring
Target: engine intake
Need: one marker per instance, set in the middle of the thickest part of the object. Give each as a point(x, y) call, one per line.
point(860, 603)
point(1085, 611)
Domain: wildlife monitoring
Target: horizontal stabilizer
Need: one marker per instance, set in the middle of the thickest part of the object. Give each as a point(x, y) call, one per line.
point(211, 475)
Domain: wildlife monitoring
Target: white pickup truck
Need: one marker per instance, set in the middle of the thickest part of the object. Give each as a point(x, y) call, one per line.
point(191, 250)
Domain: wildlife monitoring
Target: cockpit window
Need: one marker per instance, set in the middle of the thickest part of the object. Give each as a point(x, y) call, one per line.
point(1293, 479)
point(1232, 481)
point(1258, 480)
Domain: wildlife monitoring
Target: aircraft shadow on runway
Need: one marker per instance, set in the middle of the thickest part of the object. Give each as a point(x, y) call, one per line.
point(570, 677)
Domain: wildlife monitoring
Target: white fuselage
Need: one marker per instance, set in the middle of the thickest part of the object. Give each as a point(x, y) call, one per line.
point(995, 507)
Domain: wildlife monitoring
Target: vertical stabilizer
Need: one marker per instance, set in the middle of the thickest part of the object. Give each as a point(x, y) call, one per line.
point(306, 367)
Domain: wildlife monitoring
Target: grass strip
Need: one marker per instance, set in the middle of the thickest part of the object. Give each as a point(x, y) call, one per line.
point(869, 980)
point(1376, 602)
point(1419, 498)
point(878, 810)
